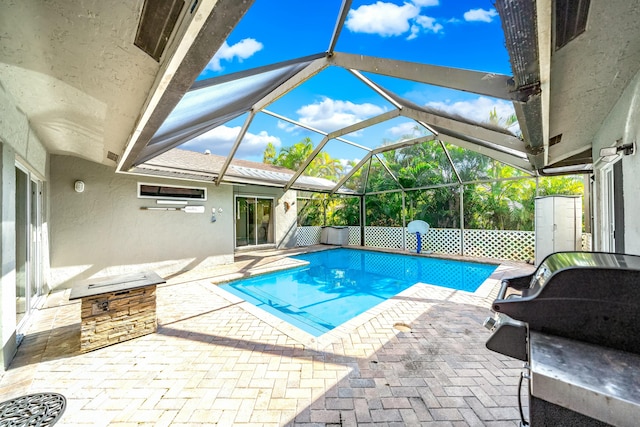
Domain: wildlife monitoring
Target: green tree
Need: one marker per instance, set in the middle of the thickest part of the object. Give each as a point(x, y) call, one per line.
point(313, 211)
point(496, 199)
point(294, 156)
point(269, 155)
point(326, 167)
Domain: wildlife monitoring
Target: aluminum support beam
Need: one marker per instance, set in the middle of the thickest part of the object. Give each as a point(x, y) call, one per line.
point(396, 146)
point(308, 72)
point(353, 170)
point(344, 11)
point(488, 84)
point(503, 157)
point(453, 167)
point(384, 165)
point(236, 144)
point(302, 125)
point(544, 10)
point(376, 88)
point(443, 124)
point(346, 130)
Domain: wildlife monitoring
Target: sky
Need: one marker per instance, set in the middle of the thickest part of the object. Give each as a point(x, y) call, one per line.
point(453, 33)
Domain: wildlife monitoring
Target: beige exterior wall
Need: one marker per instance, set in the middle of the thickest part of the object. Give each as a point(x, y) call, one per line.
point(17, 143)
point(621, 123)
point(103, 231)
point(285, 219)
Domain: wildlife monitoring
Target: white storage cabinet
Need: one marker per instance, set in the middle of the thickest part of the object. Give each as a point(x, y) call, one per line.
point(558, 225)
point(332, 235)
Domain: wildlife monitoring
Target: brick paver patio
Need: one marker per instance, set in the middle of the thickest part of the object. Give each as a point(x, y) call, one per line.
point(215, 360)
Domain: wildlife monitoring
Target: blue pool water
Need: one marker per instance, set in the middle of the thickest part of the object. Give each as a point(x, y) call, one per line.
point(340, 284)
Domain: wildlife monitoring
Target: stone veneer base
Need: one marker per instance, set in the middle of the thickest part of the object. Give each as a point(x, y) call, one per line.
point(114, 317)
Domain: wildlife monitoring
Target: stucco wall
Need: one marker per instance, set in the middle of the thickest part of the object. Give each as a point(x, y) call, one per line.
point(102, 231)
point(7, 255)
point(17, 142)
point(623, 122)
point(16, 132)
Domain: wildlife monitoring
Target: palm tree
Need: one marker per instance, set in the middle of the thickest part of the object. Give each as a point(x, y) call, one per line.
point(291, 157)
point(325, 166)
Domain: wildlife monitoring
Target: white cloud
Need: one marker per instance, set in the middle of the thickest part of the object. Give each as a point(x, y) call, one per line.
point(221, 139)
point(406, 128)
point(429, 24)
point(286, 126)
point(426, 3)
point(385, 19)
point(480, 15)
point(242, 50)
point(478, 109)
point(415, 30)
point(389, 19)
point(329, 115)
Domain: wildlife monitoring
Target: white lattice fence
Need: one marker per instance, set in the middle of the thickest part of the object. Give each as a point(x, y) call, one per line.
point(438, 240)
point(307, 236)
point(442, 241)
point(383, 237)
point(354, 236)
point(501, 244)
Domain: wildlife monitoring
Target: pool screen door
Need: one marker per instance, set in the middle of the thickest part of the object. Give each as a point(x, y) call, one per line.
point(254, 221)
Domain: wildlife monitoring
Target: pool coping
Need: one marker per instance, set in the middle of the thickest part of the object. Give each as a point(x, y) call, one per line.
point(483, 296)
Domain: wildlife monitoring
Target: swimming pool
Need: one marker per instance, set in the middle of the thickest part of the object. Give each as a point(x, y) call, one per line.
point(339, 284)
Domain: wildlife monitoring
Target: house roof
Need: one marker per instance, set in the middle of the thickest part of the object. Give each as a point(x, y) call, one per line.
point(185, 164)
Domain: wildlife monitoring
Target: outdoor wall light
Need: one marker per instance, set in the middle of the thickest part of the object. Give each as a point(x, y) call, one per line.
point(609, 154)
point(288, 205)
point(78, 186)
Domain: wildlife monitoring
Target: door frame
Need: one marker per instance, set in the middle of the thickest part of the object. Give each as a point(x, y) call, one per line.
point(34, 251)
point(611, 230)
point(235, 219)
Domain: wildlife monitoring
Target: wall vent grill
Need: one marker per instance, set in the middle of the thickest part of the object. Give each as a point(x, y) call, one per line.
point(571, 20)
point(157, 21)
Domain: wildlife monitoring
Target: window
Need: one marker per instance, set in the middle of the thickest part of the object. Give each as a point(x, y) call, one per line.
point(158, 191)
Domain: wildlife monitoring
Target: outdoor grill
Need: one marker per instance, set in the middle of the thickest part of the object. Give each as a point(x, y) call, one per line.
point(576, 323)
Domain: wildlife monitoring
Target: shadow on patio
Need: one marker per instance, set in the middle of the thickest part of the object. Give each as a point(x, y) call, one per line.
point(214, 362)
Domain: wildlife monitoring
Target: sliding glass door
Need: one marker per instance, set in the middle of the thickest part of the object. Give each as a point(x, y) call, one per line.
point(28, 243)
point(254, 221)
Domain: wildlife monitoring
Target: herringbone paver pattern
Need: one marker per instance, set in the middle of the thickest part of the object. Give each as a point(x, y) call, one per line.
point(213, 361)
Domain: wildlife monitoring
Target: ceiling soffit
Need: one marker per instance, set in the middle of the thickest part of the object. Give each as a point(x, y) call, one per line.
point(210, 26)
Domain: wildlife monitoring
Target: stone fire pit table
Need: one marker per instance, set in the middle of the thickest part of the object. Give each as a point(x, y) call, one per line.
point(116, 309)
